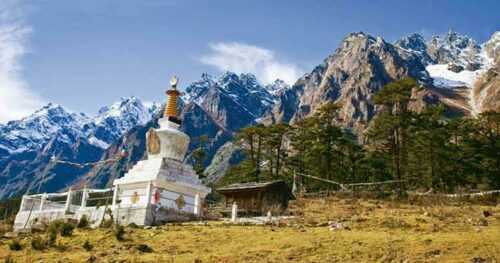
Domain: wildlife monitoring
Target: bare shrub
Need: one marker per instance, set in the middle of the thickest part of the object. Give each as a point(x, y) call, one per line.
point(37, 243)
point(83, 222)
point(15, 245)
point(119, 232)
point(144, 248)
point(87, 246)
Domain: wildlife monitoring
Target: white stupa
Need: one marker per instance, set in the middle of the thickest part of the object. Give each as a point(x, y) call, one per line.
point(162, 184)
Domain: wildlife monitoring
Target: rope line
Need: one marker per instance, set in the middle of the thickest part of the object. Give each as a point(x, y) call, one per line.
point(378, 183)
point(324, 180)
point(123, 153)
point(458, 195)
point(85, 164)
point(428, 193)
point(344, 186)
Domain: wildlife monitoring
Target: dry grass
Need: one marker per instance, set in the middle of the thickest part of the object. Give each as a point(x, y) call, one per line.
point(377, 232)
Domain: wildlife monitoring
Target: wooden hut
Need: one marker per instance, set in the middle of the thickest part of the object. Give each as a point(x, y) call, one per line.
point(257, 198)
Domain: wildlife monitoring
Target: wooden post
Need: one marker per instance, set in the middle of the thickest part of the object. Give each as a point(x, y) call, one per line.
point(294, 186)
point(84, 197)
point(42, 200)
point(234, 212)
point(68, 200)
point(115, 195)
point(197, 204)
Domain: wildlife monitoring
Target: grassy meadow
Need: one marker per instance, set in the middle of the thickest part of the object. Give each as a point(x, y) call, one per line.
point(323, 230)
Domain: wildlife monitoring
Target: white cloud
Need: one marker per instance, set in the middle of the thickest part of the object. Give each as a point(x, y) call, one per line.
point(244, 58)
point(16, 100)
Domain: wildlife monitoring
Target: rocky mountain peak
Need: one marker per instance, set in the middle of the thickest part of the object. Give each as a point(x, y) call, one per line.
point(230, 91)
point(492, 46)
point(228, 77)
point(277, 87)
point(457, 40)
point(413, 41)
point(31, 132)
point(456, 49)
point(113, 121)
point(53, 113)
point(359, 67)
point(126, 106)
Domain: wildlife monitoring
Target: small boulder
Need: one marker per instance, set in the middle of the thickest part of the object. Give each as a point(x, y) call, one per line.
point(38, 227)
point(10, 234)
point(478, 260)
point(473, 66)
point(144, 248)
point(455, 68)
point(336, 226)
point(487, 213)
point(482, 222)
point(92, 259)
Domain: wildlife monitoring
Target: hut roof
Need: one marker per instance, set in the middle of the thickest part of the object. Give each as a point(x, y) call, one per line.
point(249, 185)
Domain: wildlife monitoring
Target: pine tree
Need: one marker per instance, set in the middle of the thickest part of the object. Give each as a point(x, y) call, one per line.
point(199, 156)
point(390, 128)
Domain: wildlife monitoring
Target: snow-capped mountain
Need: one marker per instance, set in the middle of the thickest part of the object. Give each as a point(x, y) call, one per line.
point(460, 50)
point(27, 145)
point(112, 122)
point(452, 51)
point(32, 132)
point(53, 120)
point(416, 44)
point(455, 62)
point(231, 93)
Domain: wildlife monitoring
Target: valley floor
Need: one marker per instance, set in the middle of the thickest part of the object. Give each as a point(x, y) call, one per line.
point(331, 230)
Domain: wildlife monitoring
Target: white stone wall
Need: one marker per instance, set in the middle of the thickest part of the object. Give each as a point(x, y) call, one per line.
point(168, 200)
point(128, 215)
point(127, 194)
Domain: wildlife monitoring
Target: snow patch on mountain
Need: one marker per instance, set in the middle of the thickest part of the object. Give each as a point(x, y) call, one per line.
point(445, 78)
point(96, 142)
point(459, 61)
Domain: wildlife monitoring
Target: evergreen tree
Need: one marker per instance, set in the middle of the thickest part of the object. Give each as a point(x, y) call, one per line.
point(199, 156)
point(251, 140)
point(390, 128)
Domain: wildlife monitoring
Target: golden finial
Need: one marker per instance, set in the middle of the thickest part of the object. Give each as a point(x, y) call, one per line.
point(173, 93)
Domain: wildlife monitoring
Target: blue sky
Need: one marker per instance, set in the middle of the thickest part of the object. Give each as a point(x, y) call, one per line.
point(84, 54)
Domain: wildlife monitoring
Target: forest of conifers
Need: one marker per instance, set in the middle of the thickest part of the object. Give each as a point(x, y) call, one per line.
point(423, 150)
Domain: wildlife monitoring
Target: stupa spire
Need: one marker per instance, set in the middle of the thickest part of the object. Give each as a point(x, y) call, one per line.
point(173, 94)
